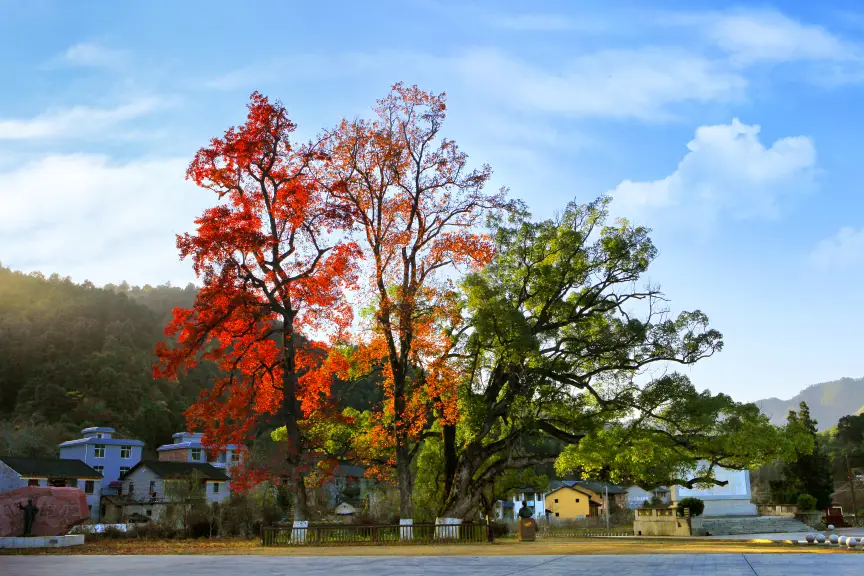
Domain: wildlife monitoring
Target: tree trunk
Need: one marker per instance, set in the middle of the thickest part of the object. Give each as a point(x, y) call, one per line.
point(448, 436)
point(290, 415)
point(403, 453)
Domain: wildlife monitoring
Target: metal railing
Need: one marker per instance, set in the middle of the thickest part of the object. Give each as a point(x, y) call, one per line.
point(336, 534)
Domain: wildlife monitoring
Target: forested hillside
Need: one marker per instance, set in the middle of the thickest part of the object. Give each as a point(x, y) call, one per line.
point(828, 402)
point(75, 355)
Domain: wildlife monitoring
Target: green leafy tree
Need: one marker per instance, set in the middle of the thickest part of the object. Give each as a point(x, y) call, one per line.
point(808, 471)
point(560, 342)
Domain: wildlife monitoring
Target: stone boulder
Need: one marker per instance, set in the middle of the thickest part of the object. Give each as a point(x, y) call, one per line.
point(59, 510)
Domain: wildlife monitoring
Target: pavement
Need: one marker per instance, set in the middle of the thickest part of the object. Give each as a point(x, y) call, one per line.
point(841, 564)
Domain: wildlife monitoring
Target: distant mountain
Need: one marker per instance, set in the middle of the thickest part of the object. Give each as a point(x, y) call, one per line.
point(828, 402)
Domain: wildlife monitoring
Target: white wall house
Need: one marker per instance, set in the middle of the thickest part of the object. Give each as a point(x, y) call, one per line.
point(733, 499)
point(145, 492)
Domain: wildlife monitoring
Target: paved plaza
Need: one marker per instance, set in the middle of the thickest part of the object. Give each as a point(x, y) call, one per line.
point(637, 565)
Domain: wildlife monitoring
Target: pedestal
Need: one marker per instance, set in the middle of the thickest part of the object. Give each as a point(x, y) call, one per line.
point(527, 530)
point(447, 528)
point(42, 541)
point(406, 529)
point(299, 530)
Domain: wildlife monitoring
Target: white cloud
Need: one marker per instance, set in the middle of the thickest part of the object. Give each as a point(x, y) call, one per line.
point(91, 218)
point(751, 36)
point(727, 170)
point(614, 83)
point(90, 55)
point(75, 121)
point(843, 249)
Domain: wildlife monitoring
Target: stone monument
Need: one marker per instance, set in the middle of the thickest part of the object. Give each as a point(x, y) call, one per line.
point(527, 525)
point(41, 511)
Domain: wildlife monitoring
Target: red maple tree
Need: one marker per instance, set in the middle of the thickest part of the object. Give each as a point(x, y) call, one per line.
point(275, 266)
point(417, 206)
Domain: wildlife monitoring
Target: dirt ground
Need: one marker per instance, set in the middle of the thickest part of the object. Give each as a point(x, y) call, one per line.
point(102, 546)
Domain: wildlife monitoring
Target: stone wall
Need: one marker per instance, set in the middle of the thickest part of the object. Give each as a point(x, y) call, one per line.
point(662, 522)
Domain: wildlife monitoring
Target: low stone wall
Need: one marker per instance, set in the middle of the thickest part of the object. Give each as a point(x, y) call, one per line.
point(42, 541)
point(665, 522)
point(778, 510)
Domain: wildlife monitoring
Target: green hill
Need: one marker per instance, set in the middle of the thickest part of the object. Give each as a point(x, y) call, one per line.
point(74, 355)
point(828, 402)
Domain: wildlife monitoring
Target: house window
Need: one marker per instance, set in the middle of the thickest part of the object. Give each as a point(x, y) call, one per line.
point(152, 487)
point(235, 457)
point(99, 451)
point(98, 435)
point(131, 488)
point(98, 469)
point(196, 454)
point(149, 513)
point(33, 482)
point(125, 452)
point(556, 500)
point(577, 500)
point(89, 486)
point(215, 487)
point(556, 514)
point(124, 470)
point(90, 508)
point(102, 511)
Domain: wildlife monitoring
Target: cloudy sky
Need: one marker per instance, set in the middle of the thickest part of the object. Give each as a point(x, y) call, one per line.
point(732, 130)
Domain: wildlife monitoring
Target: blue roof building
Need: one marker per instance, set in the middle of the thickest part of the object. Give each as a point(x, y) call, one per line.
point(111, 457)
point(187, 447)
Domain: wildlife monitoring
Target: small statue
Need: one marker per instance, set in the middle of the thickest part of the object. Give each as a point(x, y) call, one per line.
point(30, 512)
point(525, 512)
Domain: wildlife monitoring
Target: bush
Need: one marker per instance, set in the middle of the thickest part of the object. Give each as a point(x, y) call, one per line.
point(500, 529)
point(806, 502)
point(695, 505)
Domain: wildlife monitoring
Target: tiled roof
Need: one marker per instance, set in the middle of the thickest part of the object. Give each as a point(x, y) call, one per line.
point(176, 470)
point(600, 487)
point(55, 468)
point(594, 485)
point(106, 441)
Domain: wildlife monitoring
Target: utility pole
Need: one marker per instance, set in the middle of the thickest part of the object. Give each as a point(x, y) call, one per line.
point(851, 476)
point(607, 508)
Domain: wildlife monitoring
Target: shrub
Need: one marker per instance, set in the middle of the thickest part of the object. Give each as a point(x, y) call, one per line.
point(695, 505)
point(500, 529)
point(806, 502)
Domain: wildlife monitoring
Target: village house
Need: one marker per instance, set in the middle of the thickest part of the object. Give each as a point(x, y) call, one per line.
point(187, 447)
point(151, 485)
point(22, 472)
point(111, 457)
point(576, 499)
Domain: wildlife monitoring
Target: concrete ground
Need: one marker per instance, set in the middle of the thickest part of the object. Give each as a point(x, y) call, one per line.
point(851, 564)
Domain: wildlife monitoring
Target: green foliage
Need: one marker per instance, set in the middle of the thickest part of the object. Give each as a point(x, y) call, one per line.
point(73, 355)
point(809, 470)
point(806, 502)
point(694, 505)
point(563, 334)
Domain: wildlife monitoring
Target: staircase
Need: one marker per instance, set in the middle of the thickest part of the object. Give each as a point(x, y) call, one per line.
point(753, 525)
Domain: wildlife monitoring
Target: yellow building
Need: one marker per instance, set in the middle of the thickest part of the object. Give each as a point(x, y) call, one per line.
point(571, 503)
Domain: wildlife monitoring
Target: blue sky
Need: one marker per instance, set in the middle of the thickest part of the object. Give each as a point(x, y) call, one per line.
point(732, 130)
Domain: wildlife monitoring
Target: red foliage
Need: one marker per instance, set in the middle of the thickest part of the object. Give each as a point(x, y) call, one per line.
point(274, 269)
point(417, 207)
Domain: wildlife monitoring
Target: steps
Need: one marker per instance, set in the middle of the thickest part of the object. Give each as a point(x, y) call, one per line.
point(753, 525)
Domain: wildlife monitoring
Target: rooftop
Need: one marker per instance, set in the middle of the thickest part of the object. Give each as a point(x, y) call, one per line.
point(177, 470)
point(44, 468)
